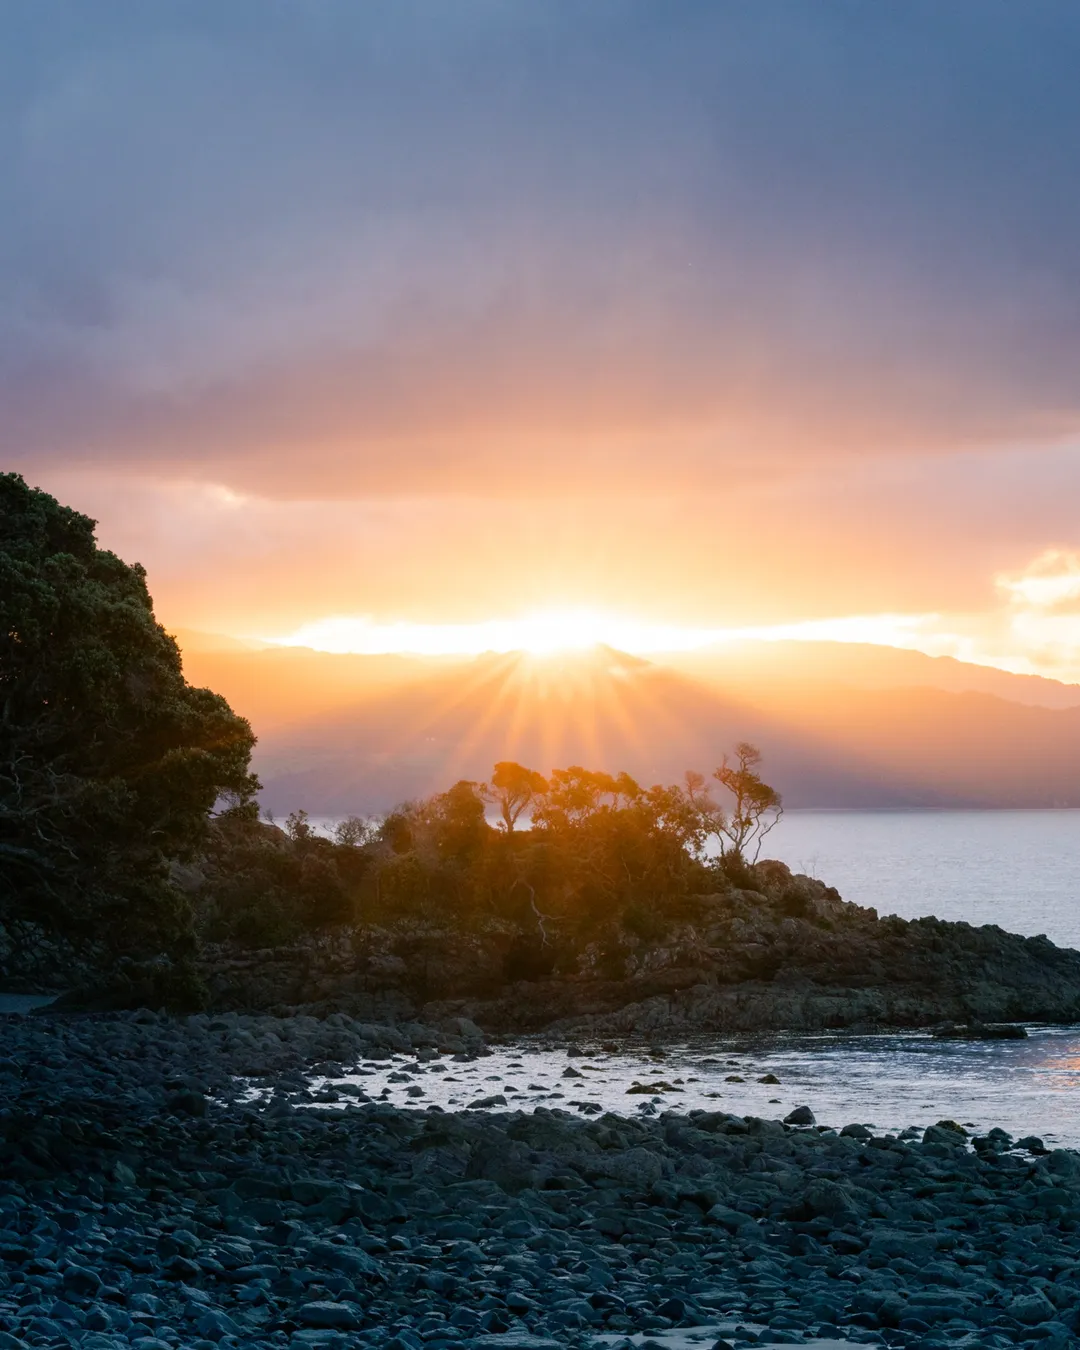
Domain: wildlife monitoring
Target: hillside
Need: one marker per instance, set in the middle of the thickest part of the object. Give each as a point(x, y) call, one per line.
point(342, 734)
point(751, 664)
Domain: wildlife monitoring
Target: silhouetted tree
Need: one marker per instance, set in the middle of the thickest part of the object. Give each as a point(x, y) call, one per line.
point(607, 861)
point(354, 832)
point(298, 826)
point(110, 762)
point(573, 795)
point(512, 789)
point(757, 807)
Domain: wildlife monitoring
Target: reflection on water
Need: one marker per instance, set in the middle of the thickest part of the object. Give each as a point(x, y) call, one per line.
point(889, 1081)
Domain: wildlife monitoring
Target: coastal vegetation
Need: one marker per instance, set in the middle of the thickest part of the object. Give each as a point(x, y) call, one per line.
point(602, 854)
point(110, 762)
point(127, 805)
point(134, 864)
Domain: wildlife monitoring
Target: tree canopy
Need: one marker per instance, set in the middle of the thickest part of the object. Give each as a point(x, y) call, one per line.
point(603, 860)
point(110, 762)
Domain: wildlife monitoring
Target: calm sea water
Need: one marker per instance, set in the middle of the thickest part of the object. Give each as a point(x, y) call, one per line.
point(1018, 869)
point(889, 1081)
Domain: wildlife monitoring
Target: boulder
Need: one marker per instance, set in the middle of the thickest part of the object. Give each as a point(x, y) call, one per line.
point(1031, 1309)
point(324, 1313)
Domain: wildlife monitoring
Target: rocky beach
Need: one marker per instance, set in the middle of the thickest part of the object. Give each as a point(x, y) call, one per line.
point(148, 1197)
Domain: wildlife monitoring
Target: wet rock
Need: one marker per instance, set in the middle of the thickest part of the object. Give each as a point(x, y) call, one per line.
point(517, 1340)
point(731, 1219)
point(1032, 1143)
point(856, 1131)
point(81, 1280)
point(802, 1115)
point(980, 1031)
point(1063, 1163)
point(426, 1229)
point(323, 1313)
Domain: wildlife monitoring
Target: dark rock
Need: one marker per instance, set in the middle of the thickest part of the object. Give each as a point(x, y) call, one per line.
point(323, 1313)
point(1031, 1309)
point(81, 1280)
point(731, 1219)
point(802, 1115)
point(980, 1031)
point(856, 1131)
point(395, 1227)
point(188, 1103)
point(1032, 1143)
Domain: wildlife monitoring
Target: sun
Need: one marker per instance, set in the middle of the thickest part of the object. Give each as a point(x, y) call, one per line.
point(554, 631)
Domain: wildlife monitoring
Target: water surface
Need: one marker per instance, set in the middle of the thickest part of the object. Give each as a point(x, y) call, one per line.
point(889, 1081)
point(1017, 869)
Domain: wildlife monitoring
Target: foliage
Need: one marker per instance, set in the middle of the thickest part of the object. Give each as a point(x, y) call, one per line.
point(603, 859)
point(512, 789)
point(757, 808)
point(111, 766)
point(264, 887)
point(110, 763)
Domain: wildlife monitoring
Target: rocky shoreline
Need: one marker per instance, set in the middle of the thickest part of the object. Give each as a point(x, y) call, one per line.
point(146, 1199)
point(791, 955)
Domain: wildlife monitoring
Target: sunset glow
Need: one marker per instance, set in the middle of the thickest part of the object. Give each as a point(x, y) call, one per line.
point(575, 352)
point(542, 633)
point(550, 632)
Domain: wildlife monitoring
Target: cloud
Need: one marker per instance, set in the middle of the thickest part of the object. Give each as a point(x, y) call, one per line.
point(845, 559)
point(498, 249)
point(1049, 582)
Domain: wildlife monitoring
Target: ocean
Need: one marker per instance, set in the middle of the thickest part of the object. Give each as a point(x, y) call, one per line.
point(1017, 869)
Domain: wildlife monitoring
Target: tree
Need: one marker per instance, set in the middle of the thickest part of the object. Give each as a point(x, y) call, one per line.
point(757, 807)
point(110, 762)
point(456, 821)
point(298, 826)
point(512, 789)
point(574, 795)
point(354, 832)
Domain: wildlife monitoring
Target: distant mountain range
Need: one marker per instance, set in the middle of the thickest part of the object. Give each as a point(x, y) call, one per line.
point(840, 725)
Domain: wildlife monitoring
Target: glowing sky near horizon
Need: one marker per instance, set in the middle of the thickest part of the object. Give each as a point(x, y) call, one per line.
point(549, 633)
point(406, 324)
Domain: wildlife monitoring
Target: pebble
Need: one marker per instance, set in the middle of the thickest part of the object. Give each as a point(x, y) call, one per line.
point(149, 1199)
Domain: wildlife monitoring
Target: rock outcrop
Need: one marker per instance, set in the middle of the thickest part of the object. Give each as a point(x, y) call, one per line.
point(790, 955)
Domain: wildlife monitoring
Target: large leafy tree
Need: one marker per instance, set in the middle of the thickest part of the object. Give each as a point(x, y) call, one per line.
point(110, 762)
point(512, 789)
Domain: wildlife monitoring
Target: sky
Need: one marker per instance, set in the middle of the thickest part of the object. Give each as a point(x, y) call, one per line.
point(701, 315)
